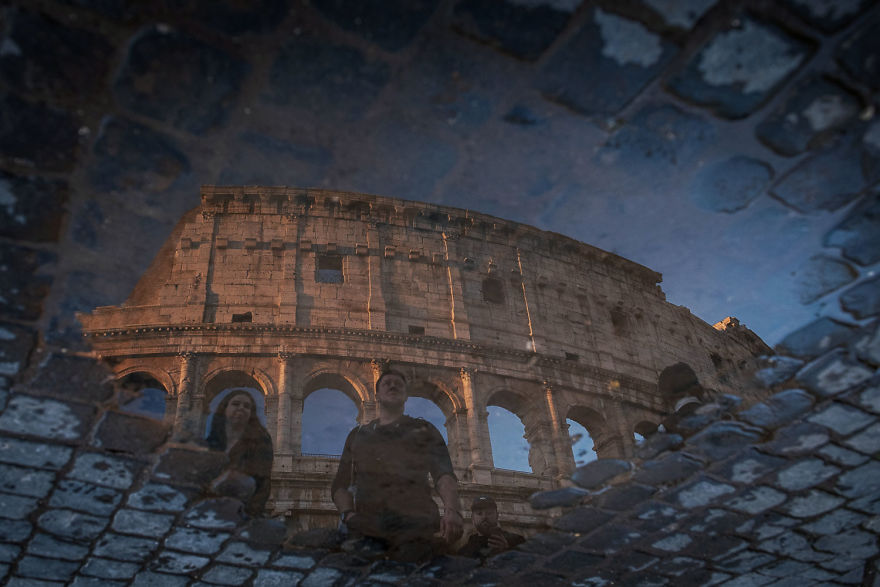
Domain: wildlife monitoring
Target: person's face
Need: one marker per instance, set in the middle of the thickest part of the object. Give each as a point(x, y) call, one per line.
point(485, 520)
point(238, 410)
point(391, 391)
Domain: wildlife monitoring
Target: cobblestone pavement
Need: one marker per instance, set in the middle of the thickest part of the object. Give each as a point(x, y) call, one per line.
point(731, 145)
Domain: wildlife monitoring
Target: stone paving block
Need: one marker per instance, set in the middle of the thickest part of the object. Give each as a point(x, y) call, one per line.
point(682, 14)
point(797, 439)
point(856, 55)
point(596, 473)
point(833, 373)
point(24, 481)
point(842, 456)
point(732, 75)
point(672, 469)
point(142, 523)
point(653, 516)
point(73, 525)
point(46, 568)
point(81, 581)
point(240, 553)
point(37, 134)
point(866, 441)
point(50, 547)
point(45, 417)
point(714, 521)
point(608, 47)
point(227, 575)
point(867, 347)
point(86, 497)
point(522, 30)
point(623, 497)
point(779, 370)
point(216, 514)
point(546, 542)
point(820, 275)
point(150, 579)
point(805, 473)
point(109, 569)
point(797, 570)
point(131, 157)
point(168, 561)
point(779, 409)
point(571, 561)
point(656, 444)
point(869, 398)
point(68, 376)
point(610, 539)
point(388, 571)
point(699, 493)
point(723, 439)
point(16, 342)
point(829, 180)
point(326, 576)
point(858, 234)
point(677, 566)
point(793, 546)
point(673, 542)
point(864, 480)
point(862, 300)
point(259, 157)
point(512, 561)
point(730, 185)
point(812, 110)
point(834, 522)
point(204, 542)
point(177, 95)
point(812, 504)
point(9, 552)
point(190, 466)
point(272, 578)
point(842, 419)
point(715, 547)
point(767, 525)
point(564, 497)
point(817, 338)
point(51, 57)
point(15, 530)
point(749, 467)
point(104, 470)
point(16, 507)
point(126, 433)
point(749, 580)
point(657, 137)
point(126, 548)
point(390, 25)
point(756, 500)
point(298, 78)
point(157, 497)
point(827, 17)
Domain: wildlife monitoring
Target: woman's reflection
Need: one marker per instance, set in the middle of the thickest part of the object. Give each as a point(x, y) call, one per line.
point(236, 429)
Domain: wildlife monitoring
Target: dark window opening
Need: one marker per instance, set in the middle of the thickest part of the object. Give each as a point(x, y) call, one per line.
point(493, 291)
point(716, 360)
point(329, 269)
point(618, 321)
point(246, 317)
point(420, 330)
point(572, 357)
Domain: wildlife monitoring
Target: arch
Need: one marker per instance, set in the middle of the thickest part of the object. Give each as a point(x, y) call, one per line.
point(678, 381)
point(645, 428)
point(160, 375)
point(224, 378)
point(596, 426)
point(141, 393)
point(326, 376)
point(437, 392)
point(328, 415)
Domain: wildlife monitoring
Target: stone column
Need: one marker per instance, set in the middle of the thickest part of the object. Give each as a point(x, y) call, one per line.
point(370, 407)
point(188, 415)
point(564, 459)
point(478, 432)
point(289, 420)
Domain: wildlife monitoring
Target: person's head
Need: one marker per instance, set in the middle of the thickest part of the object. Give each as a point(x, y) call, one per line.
point(239, 406)
point(484, 514)
point(391, 389)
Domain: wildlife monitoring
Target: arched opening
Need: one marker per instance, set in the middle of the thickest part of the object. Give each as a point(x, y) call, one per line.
point(419, 407)
point(331, 409)
point(328, 416)
point(582, 446)
point(142, 394)
point(507, 434)
point(679, 386)
point(643, 430)
point(591, 425)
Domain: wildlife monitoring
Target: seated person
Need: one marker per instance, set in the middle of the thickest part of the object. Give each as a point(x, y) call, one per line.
point(488, 538)
point(236, 430)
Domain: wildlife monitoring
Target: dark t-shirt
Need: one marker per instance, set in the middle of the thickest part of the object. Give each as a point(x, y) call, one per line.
point(478, 544)
point(389, 465)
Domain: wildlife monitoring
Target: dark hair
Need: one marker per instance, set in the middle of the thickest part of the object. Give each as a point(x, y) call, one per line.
point(390, 371)
point(217, 434)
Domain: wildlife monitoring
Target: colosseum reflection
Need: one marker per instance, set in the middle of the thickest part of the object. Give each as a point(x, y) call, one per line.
point(288, 291)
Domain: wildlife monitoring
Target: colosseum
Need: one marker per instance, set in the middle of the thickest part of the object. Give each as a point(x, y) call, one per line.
point(289, 291)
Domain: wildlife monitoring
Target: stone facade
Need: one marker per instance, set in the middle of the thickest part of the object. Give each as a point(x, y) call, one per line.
point(292, 290)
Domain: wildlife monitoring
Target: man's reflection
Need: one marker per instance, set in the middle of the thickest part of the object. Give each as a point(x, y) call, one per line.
point(236, 430)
